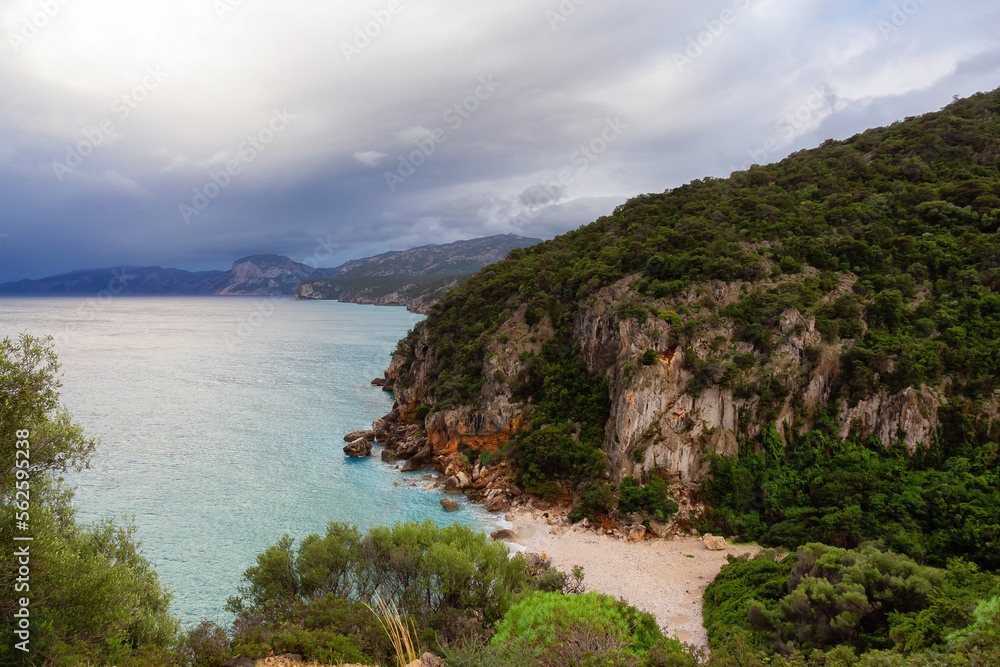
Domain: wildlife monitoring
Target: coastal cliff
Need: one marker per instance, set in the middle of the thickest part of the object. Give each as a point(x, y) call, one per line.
point(661, 417)
point(848, 290)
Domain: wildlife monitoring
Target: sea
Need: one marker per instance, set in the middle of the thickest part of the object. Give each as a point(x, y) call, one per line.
point(221, 424)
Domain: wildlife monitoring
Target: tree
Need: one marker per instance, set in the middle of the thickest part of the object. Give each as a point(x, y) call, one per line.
point(90, 592)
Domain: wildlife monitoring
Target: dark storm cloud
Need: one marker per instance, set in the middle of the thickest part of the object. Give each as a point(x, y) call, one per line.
point(180, 134)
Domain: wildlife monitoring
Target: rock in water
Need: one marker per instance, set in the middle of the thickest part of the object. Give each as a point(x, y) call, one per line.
point(715, 543)
point(449, 504)
point(504, 535)
point(452, 485)
point(359, 447)
point(367, 434)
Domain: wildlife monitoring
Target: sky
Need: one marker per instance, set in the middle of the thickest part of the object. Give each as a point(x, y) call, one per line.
point(189, 133)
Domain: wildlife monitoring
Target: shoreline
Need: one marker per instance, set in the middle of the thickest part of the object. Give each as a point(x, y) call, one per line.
point(663, 576)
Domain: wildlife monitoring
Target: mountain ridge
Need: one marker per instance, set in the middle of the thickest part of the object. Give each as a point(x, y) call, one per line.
point(272, 274)
point(416, 275)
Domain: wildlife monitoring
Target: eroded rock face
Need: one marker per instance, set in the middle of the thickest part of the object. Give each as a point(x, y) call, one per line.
point(658, 420)
point(912, 413)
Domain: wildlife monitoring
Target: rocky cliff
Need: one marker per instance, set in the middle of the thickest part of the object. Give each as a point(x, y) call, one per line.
point(850, 289)
point(658, 420)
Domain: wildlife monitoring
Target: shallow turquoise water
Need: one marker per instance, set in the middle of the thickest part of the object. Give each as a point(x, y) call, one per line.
point(221, 422)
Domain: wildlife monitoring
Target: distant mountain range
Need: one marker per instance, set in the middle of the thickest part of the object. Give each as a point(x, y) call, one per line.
point(414, 278)
point(253, 275)
point(421, 275)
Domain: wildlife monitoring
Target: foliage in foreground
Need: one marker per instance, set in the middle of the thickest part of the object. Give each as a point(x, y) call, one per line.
point(450, 582)
point(826, 601)
point(92, 595)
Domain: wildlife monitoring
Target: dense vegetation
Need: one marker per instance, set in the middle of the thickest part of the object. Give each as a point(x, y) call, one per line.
point(940, 503)
point(908, 212)
point(827, 605)
point(459, 591)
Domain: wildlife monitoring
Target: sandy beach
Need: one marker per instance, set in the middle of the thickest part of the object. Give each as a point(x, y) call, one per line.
point(665, 577)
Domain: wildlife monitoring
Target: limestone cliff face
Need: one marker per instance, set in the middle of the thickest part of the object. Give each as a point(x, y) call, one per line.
point(659, 418)
point(496, 419)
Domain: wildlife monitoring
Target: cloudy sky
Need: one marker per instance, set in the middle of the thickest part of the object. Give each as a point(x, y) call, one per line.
point(188, 133)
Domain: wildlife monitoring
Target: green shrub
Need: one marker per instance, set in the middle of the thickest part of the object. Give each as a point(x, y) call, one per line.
point(93, 594)
point(432, 574)
point(653, 499)
point(742, 581)
point(592, 499)
point(565, 629)
point(548, 454)
point(649, 357)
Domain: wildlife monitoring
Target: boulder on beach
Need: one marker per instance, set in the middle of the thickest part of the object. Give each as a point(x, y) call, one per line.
point(504, 535)
point(714, 543)
point(637, 533)
point(658, 529)
point(359, 447)
point(498, 503)
point(449, 504)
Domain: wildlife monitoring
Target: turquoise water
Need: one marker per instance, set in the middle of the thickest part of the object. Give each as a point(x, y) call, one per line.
point(221, 422)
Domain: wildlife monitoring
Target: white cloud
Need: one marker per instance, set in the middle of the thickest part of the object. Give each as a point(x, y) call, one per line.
point(369, 158)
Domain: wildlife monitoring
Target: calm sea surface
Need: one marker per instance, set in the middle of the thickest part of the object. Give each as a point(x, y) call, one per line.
point(221, 422)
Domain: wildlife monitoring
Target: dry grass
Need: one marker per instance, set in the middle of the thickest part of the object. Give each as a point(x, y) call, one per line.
point(401, 633)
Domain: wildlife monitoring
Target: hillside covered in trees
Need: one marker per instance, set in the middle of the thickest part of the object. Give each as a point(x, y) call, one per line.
point(814, 342)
